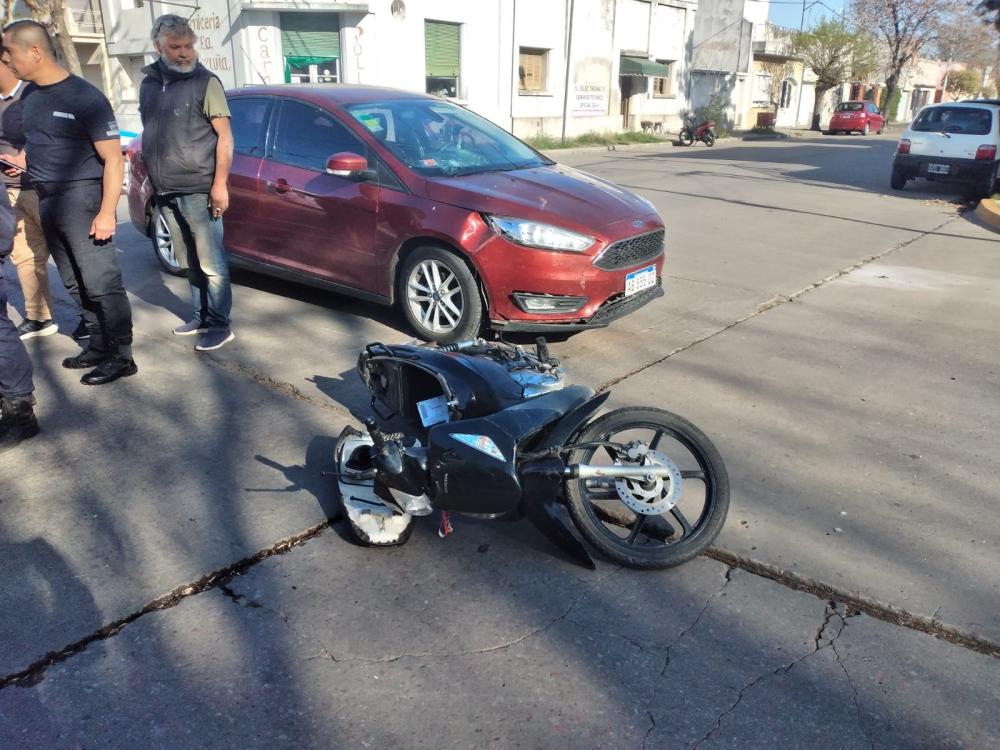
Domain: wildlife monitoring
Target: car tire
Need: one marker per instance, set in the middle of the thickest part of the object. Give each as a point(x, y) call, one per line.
point(981, 189)
point(866, 129)
point(163, 245)
point(879, 131)
point(439, 295)
point(897, 180)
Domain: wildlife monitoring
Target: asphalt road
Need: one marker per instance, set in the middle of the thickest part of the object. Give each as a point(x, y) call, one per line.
point(837, 342)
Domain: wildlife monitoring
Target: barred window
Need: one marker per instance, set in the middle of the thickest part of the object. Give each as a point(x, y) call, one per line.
point(533, 70)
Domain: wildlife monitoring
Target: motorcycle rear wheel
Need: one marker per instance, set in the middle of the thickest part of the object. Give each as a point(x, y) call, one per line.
point(649, 539)
point(687, 137)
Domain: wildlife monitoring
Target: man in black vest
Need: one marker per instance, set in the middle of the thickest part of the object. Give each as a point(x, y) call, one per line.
point(74, 157)
point(187, 147)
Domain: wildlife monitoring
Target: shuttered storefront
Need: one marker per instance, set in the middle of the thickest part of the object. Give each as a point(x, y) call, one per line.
point(310, 44)
point(443, 52)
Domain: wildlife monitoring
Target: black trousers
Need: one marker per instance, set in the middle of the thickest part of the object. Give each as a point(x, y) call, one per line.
point(15, 365)
point(88, 269)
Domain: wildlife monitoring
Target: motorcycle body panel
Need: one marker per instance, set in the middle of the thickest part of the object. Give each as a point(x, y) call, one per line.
point(472, 467)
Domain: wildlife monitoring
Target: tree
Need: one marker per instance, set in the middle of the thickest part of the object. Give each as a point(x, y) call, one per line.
point(907, 27)
point(964, 83)
point(960, 39)
point(991, 10)
point(835, 54)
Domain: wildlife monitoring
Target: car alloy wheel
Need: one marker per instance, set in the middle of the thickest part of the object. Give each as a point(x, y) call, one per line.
point(163, 244)
point(867, 130)
point(439, 296)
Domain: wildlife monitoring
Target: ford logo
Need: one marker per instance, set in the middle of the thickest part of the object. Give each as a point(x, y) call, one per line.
point(637, 224)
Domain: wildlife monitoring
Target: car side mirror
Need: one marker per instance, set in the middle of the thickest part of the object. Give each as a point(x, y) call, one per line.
point(349, 165)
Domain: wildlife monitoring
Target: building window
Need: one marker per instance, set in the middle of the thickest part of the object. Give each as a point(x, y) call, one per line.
point(762, 90)
point(663, 86)
point(310, 45)
point(443, 51)
point(786, 94)
point(533, 70)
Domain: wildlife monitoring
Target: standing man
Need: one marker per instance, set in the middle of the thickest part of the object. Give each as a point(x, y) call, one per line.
point(17, 416)
point(30, 254)
point(74, 155)
point(187, 146)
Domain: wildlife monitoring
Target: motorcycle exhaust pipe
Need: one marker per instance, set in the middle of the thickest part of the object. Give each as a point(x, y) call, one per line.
point(590, 471)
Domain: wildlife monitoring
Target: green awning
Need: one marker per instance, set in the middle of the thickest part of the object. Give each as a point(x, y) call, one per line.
point(638, 66)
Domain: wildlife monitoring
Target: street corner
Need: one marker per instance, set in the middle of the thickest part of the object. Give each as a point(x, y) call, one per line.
point(987, 213)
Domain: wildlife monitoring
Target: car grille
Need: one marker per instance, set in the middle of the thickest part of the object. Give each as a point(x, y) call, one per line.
point(632, 251)
point(620, 305)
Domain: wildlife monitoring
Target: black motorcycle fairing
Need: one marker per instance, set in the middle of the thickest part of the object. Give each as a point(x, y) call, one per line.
point(542, 479)
point(468, 479)
point(559, 433)
point(400, 376)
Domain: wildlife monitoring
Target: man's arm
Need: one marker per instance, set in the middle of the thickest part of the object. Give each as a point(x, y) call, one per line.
point(219, 197)
point(110, 151)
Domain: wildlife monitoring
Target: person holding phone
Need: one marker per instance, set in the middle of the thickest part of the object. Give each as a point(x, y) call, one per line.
point(30, 254)
point(187, 147)
point(73, 152)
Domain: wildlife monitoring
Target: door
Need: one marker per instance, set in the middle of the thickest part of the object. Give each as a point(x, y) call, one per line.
point(875, 117)
point(249, 120)
point(316, 223)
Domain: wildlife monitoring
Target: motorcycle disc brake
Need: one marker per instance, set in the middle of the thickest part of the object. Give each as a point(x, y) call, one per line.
point(653, 497)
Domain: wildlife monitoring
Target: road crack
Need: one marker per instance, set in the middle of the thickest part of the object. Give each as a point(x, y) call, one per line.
point(829, 614)
point(778, 300)
point(674, 643)
point(219, 579)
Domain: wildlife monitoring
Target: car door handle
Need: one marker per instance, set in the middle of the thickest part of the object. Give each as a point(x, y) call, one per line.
point(279, 186)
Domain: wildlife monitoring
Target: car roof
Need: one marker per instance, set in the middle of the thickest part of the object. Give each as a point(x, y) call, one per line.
point(966, 103)
point(337, 93)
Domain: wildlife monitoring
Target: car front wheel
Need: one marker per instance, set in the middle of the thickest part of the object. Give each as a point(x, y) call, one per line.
point(163, 244)
point(867, 129)
point(439, 296)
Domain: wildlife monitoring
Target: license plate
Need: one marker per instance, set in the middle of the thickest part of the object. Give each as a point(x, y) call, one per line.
point(636, 281)
point(937, 168)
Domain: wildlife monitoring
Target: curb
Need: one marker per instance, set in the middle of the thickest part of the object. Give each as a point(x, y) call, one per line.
point(988, 212)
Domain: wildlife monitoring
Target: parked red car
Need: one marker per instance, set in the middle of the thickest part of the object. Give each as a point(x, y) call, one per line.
point(862, 116)
point(406, 198)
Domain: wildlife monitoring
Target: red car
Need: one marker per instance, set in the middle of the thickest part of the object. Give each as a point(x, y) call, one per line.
point(406, 198)
point(862, 116)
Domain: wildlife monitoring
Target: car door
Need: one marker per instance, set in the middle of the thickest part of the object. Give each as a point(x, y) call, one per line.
point(249, 120)
point(875, 117)
point(314, 222)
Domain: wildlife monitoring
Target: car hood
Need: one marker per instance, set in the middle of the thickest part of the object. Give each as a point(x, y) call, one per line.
point(556, 194)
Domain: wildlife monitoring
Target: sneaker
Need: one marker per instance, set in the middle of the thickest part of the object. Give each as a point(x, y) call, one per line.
point(190, 328)
point(109, 371)
point(85, 359)
point(215, 338)
point(81, 332)
point(29, 329)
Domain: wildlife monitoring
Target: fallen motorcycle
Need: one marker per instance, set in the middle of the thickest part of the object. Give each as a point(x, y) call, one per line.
point(491, 430)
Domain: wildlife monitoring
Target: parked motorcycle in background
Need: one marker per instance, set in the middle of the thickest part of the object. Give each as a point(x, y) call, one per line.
point(691, 133)
point(492, 431)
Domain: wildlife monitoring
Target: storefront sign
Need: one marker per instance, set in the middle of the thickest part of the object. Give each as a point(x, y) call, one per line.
point(590, 99)
point(210, 24)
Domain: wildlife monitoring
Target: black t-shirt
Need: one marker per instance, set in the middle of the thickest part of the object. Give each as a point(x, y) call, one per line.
point(62, 122)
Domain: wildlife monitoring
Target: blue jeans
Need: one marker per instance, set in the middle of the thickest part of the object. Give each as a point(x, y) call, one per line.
point(197, 239)
point(15, 365)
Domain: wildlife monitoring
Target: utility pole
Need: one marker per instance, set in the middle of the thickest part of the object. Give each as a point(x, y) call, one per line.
point(569, 61)
point(802, 77)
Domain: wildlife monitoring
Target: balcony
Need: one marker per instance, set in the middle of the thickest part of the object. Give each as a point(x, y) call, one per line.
point(778, 43)
point(84, 22)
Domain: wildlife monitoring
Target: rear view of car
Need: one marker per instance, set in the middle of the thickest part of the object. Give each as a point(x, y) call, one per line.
point(860, 116)
point(955, 142)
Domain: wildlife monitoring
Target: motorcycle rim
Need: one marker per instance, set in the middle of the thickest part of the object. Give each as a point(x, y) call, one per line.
point(686, 137)
point(601, 511)
point(709, 139)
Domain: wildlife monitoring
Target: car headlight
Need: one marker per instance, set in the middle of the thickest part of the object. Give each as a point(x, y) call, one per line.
point(542, 236)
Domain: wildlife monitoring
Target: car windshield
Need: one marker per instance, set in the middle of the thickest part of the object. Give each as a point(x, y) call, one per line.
point(850, 107)
point(968, 120)
point(440, 138)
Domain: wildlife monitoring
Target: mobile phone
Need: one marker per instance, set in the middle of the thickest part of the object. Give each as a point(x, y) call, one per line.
point(10, 165)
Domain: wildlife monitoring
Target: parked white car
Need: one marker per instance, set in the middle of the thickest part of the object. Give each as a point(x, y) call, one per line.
point(952, 142)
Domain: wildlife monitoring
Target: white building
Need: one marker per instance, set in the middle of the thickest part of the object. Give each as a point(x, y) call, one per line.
point(528, 65)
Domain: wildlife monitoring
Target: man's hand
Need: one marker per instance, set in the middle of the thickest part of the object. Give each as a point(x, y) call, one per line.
point(102, 228)
point(18, 159)
point(218, 200)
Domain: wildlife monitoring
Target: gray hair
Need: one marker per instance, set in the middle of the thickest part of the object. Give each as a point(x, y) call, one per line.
point(171, 25)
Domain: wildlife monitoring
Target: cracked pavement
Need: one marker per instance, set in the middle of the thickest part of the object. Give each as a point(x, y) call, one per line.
point(171, 578)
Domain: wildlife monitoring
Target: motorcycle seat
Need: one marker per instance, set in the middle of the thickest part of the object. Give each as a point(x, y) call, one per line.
point(562, 401)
